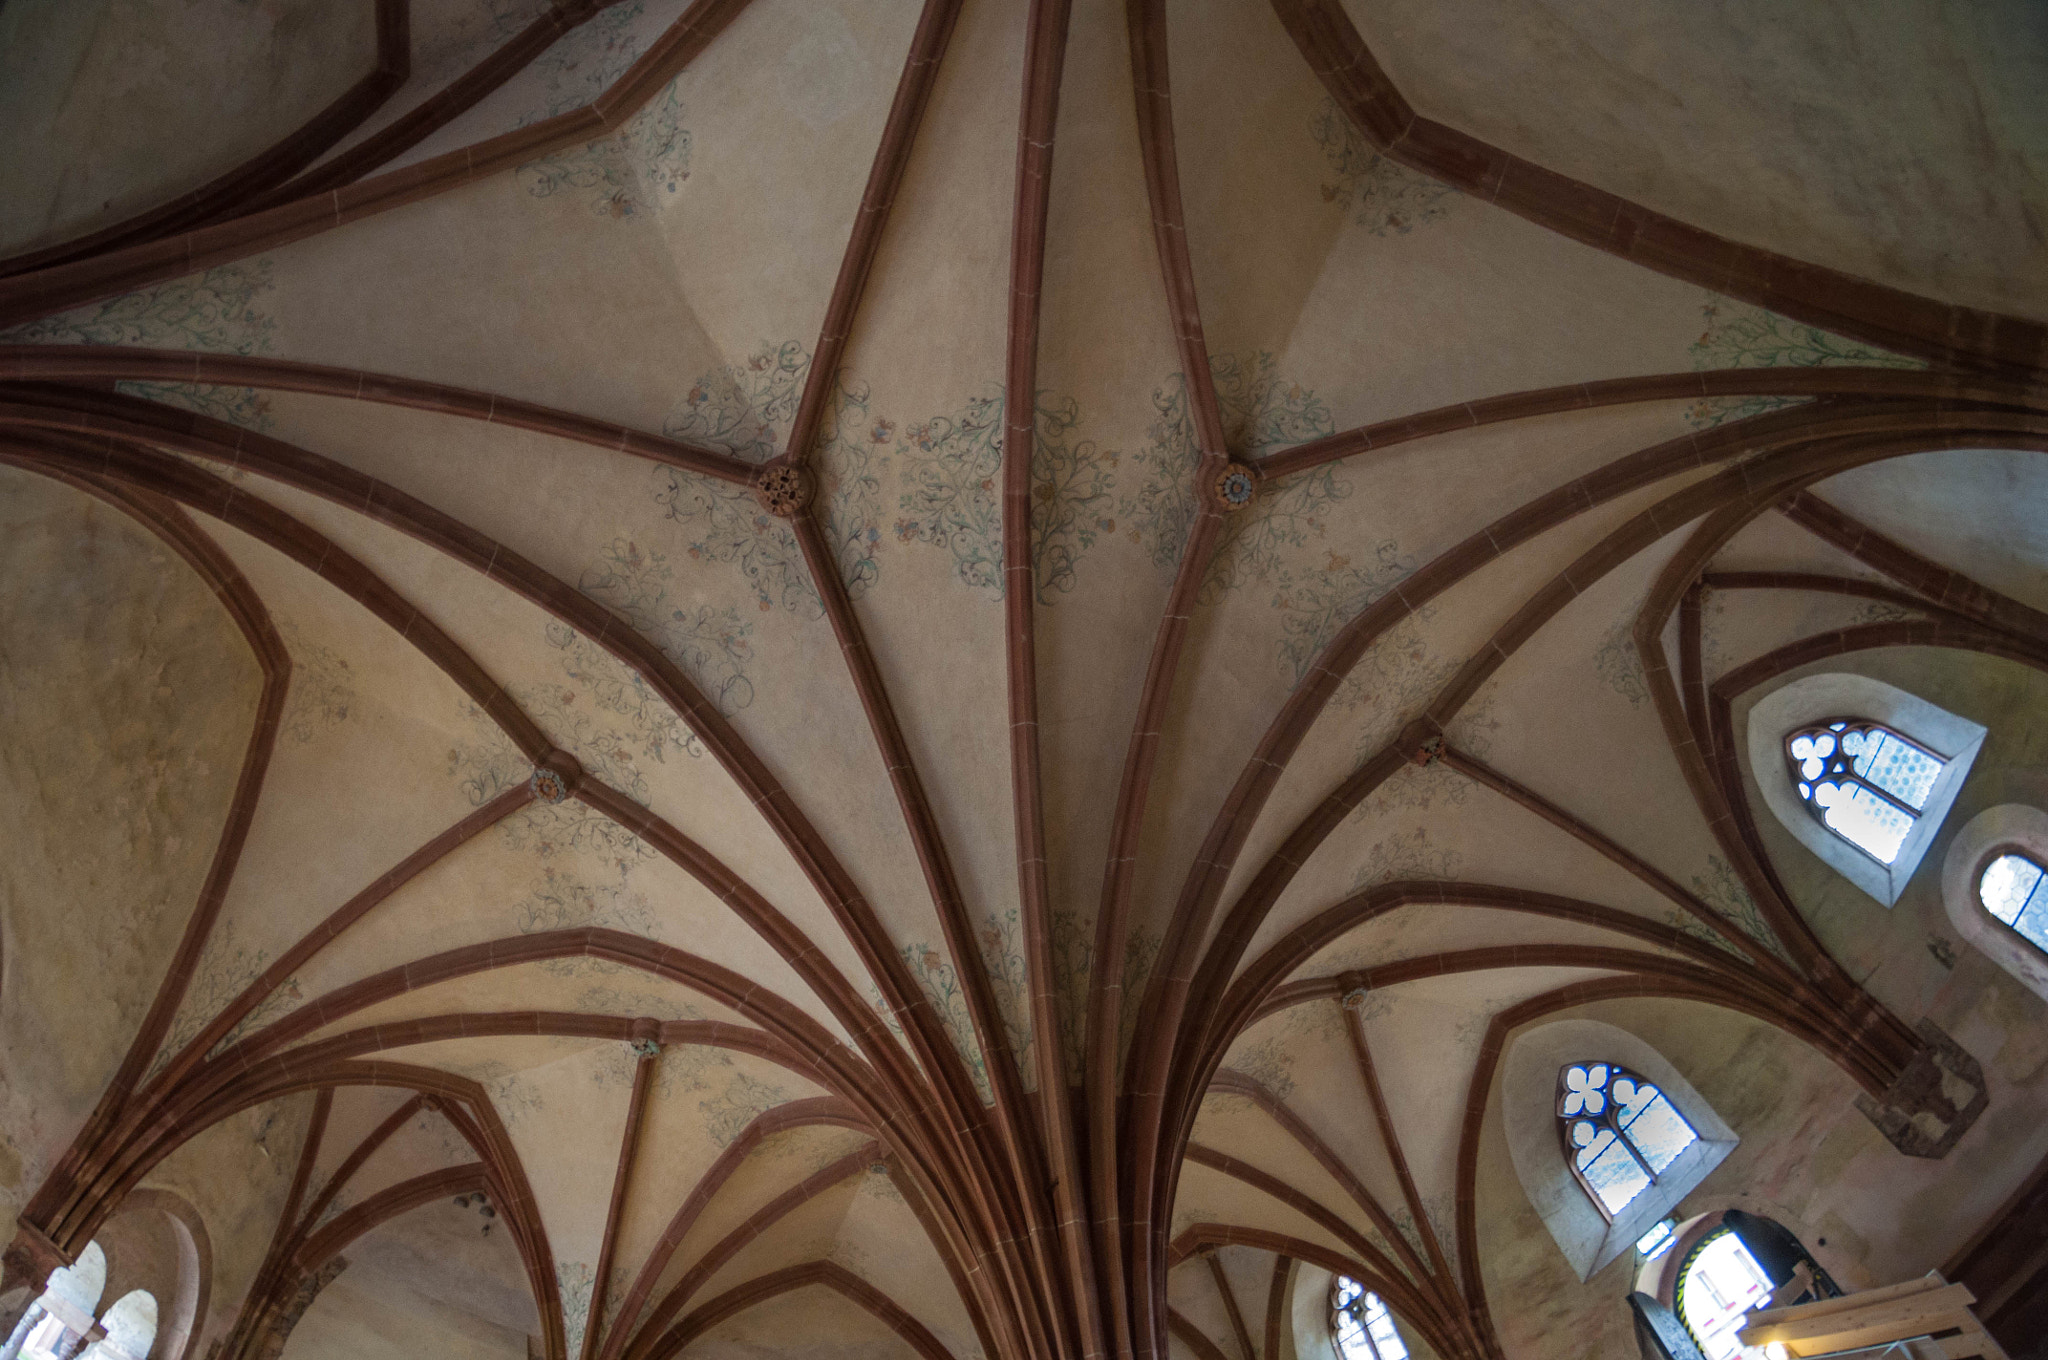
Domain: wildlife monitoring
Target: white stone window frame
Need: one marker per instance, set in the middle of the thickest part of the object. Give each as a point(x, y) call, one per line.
point(1588, 1239)
point(1992, 832)
point(1845, 694)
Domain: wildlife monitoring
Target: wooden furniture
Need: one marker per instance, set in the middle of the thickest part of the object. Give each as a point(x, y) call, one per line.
point(1927, 1319)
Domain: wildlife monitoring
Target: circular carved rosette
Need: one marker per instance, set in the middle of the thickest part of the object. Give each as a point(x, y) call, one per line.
point(1236, 486)
point(554, 778)
point(783, 490)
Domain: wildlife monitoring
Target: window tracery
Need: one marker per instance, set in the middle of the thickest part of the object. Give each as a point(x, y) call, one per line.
point(1865, 782)
point(1620, 1132)
point(1365, 1329)
point(2013, 888)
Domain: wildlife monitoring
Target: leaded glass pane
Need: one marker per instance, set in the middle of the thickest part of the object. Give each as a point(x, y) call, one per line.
point(1659, 1132)
point(1901, 769)
point(1615, 1175)
point(2007, 883)
point(1871, 823)
point(1385, 1338)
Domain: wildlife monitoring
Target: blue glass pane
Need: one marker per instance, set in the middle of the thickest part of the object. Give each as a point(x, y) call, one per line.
point(2006, 885)
point(1385, 1339)
point(2033, 921)
point(1615, 1176)
point(1902, 770)
point(1660, 1133)
point(1591, 1141)
point(1865, 818)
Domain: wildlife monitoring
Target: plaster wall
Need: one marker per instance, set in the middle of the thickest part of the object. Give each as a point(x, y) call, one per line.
point(126, 701)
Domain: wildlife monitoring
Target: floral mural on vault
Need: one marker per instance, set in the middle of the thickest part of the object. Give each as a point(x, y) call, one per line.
point(215, 311)
point(1390, 198)
point(745, 410)
point(642, 165)
point(1740, 335)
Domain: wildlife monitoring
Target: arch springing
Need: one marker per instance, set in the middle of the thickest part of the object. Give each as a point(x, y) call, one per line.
point(1365, 1329)
point(1620, 1132)
point(1865, 782)
point(2013, 887)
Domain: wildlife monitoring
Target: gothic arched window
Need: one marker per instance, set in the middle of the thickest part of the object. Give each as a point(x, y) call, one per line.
point(1365, 1329)
point(1619, 1131)
point(2014, 888)
point(1865, 782)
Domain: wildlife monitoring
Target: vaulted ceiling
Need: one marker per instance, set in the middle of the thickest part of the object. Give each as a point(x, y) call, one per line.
point(776, 662)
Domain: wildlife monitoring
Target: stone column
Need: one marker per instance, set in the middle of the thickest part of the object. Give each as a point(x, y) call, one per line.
point(15, 1339)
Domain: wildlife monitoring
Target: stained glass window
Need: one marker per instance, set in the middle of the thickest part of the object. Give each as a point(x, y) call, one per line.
point(1620, 1132)
point(1365, 1329)
point(1865, 782)
point(1720, 1283)
point(2014, 888)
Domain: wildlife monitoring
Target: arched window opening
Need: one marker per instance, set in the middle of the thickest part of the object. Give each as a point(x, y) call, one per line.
point(1865, 782)
point(2014, 888)
point(130, 1326)
point(1620, 1132)
point(1365, 1329)
point(1718, 1285)
point(56, 1324)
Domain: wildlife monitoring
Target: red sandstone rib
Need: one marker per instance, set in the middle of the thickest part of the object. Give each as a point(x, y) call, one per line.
point(76, 363)
point(797, 1113)
point(232, 192)
point(1946, 587)
point(1131, 1184)
point(828, 1274)
point(655, 1342)
point(601, 1273)
point(463, 93)
point(1872, 312)
point(1723, 382)
point(46, 291)
point(57, 1200)
point(1044, 61)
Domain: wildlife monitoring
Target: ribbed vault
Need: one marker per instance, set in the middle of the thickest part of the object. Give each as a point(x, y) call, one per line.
point(710, 676)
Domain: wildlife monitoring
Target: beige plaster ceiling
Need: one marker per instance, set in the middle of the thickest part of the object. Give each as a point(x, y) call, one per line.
point(799, 867)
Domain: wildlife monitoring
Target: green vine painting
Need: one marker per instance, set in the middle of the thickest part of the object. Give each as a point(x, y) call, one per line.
point(1261, 412)
point(1315, 605)
point(744, 409)
point(940, 985)
point(564, 901)
point(710, 645)
point(1390, 199)
point(1073, 961)
point(642, 165)
point(1002, 953)
point(322, 688)
point(1072, 486)
point(1738, 335)
point(1721, 888)
point(953, 469)
point(1406, 855)
point(226, 968)
point(216, 311)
